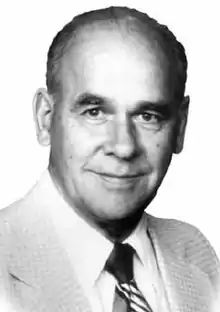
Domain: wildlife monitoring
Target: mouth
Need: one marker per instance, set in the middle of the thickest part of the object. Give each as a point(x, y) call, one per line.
point(114, 181)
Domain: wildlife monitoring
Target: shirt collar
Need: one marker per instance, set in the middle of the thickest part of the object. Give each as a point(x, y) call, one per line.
point(86, 247)
point(138, 238)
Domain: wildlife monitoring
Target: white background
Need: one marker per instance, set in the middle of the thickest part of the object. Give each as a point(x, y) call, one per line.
point(190, 191)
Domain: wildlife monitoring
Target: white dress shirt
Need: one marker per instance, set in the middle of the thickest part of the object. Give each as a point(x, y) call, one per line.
point(88, 251)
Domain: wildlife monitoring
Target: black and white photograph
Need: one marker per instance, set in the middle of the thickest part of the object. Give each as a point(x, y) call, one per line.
point(109, 156)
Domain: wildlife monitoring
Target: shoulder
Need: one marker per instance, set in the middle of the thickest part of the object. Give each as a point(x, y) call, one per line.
point(7, 213)
point(181, 236)
point(9, 219)
point(187, 242)
point(175, 230)
point(6, 240)
point(30, 207)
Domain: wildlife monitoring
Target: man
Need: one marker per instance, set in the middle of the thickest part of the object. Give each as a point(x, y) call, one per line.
point(114, 112)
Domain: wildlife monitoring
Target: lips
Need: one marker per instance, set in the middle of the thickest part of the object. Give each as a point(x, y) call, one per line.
point(115, 181)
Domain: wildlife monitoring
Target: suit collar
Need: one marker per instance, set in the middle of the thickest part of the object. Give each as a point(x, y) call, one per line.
point(38, 266)
point(187, 287)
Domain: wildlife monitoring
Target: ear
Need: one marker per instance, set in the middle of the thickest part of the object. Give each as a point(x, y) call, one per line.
point(43, 110)
point(181, 125)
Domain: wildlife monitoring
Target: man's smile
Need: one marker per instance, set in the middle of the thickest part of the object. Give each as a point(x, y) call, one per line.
point(115, 181)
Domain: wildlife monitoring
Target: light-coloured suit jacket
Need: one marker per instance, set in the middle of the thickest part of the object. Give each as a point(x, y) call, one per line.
point(36, 274)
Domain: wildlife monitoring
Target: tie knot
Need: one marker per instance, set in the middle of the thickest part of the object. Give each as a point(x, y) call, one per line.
point(120, 262)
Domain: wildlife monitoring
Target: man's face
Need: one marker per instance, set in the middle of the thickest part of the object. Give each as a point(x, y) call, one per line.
point(112, 132)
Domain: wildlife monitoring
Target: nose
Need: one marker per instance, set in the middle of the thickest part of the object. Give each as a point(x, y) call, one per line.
point(122, 140)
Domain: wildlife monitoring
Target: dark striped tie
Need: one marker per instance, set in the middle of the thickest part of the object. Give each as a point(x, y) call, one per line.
point(128, 298)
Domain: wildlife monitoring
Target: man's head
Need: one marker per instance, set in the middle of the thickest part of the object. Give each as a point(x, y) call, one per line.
point(129, 22)
point(114, 112)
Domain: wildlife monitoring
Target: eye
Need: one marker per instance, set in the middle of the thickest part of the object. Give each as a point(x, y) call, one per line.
point(93, 112)
point(148, 117)
point(149, 120)
point(95, 115)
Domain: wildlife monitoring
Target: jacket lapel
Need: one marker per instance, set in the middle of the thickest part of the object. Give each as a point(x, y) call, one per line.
point(41, 275)
point(188, 288)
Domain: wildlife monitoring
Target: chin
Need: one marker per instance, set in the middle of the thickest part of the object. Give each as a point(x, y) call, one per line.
point(121, 215)
point(120, 210)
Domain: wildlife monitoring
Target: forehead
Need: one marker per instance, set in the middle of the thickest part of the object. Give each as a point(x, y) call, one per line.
point(118, 66)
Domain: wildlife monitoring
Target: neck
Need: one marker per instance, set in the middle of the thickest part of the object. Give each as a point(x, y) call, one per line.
point(119, 230)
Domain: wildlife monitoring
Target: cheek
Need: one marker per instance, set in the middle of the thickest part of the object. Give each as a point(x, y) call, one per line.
point(79, 144)
point(159, 148)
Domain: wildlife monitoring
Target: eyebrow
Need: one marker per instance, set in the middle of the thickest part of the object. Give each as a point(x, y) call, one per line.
point(87, 99)
point(162, 107)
